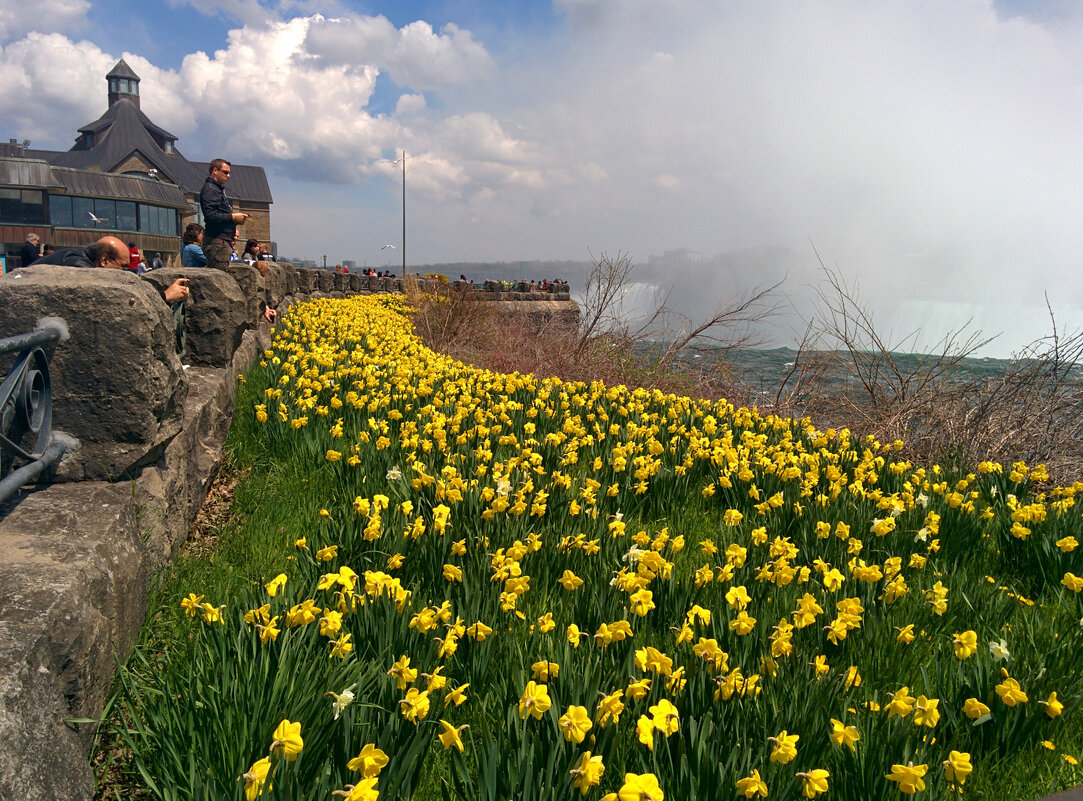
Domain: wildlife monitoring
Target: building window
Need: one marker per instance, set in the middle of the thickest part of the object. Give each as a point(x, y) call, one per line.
point(60, 211)
point(113, 85)
point(126, 220)
point(157, 220)
point(106, 212)
point(168, 146)
point(81, 210)
point(22, 206)
point(123, 86)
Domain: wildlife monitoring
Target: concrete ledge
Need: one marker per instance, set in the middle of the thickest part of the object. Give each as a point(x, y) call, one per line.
point(74, 576)
point(76, 562)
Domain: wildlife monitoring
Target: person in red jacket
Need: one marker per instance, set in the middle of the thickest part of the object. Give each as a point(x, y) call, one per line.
point(133, 257)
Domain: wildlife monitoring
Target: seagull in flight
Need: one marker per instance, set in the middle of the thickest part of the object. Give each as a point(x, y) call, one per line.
point(97, 219)
point(385, 247)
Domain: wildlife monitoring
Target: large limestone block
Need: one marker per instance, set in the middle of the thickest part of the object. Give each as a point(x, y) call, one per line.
point(540, 315)
point(74, 577)
point(252, 284)
point(216, 312)
point(170, 493)
point(308, 280)
point(117, 383)
point(277, 283)
point(356, 284)
point(325, 281)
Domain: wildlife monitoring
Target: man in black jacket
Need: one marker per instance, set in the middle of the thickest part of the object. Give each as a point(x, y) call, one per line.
point(29, 251)
point(111, 253)
point(219, 218)
point(220, 225)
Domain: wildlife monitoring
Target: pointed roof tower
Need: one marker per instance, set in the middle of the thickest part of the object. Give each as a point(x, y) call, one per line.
point(123, 84)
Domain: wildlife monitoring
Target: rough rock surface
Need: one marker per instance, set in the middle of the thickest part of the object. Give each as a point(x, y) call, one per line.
point(215, 313)
point(307, 280)
point(276, 282)
point(170, 493)
point(252, 284)
point(74, 577)
point(540, 315)
point(118, 385)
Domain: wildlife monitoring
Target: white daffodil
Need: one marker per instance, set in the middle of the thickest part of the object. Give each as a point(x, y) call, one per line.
point(999, 650)
point(342, 700)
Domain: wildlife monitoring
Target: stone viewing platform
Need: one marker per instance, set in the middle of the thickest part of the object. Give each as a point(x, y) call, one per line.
point(77, 555)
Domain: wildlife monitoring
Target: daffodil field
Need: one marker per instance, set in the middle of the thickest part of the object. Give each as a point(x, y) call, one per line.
point(510, 587)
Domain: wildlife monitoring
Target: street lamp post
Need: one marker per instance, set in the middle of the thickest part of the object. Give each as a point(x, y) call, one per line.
point(403, 160)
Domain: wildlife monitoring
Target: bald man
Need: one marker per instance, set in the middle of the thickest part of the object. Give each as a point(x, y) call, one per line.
point(110, 253)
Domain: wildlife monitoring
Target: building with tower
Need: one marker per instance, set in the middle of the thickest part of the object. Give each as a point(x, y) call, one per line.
point(124, 176)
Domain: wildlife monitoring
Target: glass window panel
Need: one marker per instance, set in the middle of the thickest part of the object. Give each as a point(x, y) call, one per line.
point(10, 205)
point(106, 211)
point(125, 216)
point(33, 206)
point(123, 85)
point(81, 208)
point(144, 218)
point(60, 210)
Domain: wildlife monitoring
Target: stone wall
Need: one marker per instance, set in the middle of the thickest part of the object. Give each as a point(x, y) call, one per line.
point(77, 556)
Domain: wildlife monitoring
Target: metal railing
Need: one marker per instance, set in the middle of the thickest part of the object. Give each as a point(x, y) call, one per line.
point(26, 409)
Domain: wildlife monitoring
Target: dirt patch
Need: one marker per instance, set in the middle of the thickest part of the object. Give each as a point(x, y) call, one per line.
point(216, 513)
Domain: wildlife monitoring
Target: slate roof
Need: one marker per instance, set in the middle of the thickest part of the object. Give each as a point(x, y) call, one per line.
point(124, 130)
point(120, 187)
point(122, 70)
point(27, 172)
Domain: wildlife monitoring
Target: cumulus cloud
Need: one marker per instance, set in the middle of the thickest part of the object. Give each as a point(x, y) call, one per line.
point(50, 84)
point(45, 16)
point(414, 56)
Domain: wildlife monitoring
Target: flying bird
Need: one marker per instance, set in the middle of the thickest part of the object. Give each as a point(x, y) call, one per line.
point(385, 247)
point(98, 219)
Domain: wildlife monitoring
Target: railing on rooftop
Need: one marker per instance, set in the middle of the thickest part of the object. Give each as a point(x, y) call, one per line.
point(28, 446)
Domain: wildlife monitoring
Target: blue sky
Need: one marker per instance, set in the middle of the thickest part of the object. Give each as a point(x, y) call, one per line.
point(927, 148)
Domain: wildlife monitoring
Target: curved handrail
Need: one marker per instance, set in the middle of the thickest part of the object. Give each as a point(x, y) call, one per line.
point(26, 408)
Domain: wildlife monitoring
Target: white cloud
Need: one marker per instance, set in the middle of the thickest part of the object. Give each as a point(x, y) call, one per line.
point(44, 16)
point(414, 56)
point(410, 104)
point(49, 86)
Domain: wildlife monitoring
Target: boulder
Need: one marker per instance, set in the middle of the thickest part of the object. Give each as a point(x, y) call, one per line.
point(216, 312)
point(308, 280)
point(356, 280)
point(74, 578)
point(252, 284)
point(277, 283)
point(290, 272)
point(325, 280)
point(118, 385)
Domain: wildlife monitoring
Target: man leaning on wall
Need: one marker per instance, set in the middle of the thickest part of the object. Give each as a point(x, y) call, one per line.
point(110, 253)
point(221, 221)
